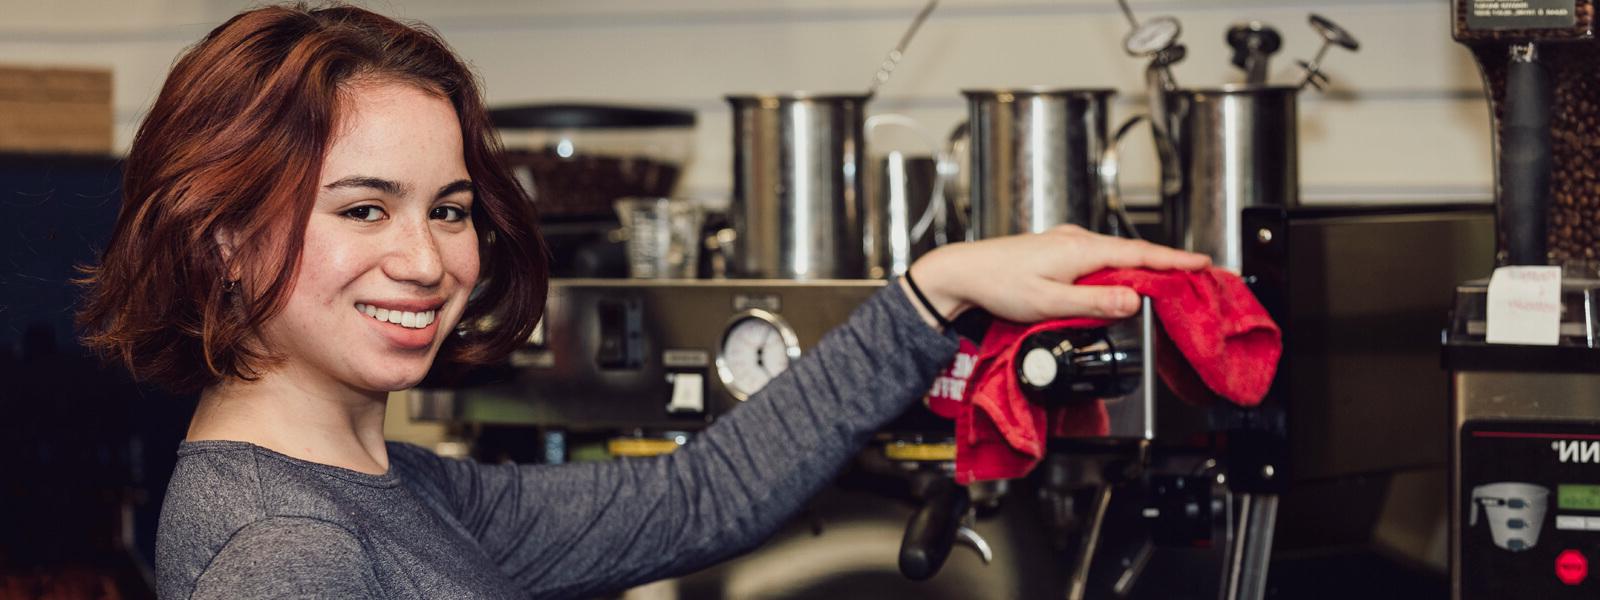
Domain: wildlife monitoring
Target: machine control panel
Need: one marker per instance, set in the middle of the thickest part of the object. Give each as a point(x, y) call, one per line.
point(1528, 509)
point(655, 355)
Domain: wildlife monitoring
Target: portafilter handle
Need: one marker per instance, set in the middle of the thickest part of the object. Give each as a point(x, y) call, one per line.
point(1067, 366)
point(932, 531)
point(1525, 158)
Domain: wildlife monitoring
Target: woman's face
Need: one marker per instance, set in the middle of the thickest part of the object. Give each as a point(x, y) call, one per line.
point(390, 253)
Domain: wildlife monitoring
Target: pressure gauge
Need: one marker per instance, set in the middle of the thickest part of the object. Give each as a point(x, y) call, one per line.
point(1152, 36)
point(756, 347)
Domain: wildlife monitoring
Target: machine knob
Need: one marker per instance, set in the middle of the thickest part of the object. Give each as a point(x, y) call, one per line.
point(934, 529)
point(1064, 366)
point(1253, 45)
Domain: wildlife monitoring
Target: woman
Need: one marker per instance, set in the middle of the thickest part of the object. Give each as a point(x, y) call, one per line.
point(312, 206)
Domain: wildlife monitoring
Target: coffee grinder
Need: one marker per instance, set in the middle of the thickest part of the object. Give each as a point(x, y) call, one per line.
point(1522, 347)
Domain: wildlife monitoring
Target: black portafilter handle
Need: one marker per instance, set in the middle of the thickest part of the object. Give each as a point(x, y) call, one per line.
point(1067, 366)
point(931, 533)
point(1525, 158)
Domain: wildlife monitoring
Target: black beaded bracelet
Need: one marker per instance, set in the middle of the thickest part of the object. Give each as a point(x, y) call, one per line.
point(943, 322)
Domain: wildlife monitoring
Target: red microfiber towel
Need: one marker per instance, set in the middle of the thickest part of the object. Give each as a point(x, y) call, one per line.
point(1228, 343)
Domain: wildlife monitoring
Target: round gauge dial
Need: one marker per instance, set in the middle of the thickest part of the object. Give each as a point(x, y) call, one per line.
point(756, 347)
point(1152, 36)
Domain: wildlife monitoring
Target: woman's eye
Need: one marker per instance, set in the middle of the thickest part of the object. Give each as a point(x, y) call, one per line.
point(452, 214)
point(365, 213)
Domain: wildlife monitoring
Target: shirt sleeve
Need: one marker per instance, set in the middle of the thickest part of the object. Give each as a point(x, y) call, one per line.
point(289, 557)
point(583, 529)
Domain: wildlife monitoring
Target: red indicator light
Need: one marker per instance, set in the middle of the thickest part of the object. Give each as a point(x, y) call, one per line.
point(1571, 567)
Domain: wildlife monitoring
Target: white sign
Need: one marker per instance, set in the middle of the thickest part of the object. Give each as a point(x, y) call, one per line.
point(1525, 306)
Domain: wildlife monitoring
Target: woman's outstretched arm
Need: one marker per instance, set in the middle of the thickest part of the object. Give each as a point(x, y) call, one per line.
point(582, 529)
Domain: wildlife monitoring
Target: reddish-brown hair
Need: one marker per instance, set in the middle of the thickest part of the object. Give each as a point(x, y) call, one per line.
point(233, 147)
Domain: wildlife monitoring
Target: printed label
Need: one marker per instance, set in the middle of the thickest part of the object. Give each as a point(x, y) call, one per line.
point(1525, 306)
point(1578, 451)
point(766, 302)
point(1521, 14)
point(685, 358)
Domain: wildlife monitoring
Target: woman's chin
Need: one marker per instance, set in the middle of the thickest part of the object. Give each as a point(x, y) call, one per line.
point(394, 382)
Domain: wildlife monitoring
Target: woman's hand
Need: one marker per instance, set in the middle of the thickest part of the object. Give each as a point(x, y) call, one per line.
point(1028, 278)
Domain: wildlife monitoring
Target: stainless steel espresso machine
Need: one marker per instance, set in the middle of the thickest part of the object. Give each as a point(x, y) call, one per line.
point(1284, 500)
point(627, 367)
point(1329, 477)
point(1522, 347)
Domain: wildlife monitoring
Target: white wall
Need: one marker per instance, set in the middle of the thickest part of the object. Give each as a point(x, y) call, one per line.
point(1406, 119)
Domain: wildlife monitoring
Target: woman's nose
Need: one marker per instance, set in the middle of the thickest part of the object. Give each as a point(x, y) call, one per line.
point(414, 258)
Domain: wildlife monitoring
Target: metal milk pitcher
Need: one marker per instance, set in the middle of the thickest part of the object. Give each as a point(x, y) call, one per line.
point(906, 213)
point(1236, 147)
point(798, 163)
point(1035, 157)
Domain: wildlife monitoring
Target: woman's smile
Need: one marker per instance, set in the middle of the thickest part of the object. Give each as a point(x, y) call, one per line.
point(407, 325)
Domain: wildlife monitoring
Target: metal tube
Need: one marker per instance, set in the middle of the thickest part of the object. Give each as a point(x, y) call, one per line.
point(1237, 148)
point(1035, 158)
point(797, 194)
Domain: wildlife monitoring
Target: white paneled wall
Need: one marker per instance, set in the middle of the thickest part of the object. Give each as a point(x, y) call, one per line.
point(1405, 120)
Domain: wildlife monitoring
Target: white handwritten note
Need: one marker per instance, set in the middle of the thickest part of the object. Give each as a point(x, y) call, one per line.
point(1525, 306)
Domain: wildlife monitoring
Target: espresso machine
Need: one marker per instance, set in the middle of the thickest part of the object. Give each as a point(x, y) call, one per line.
point(1521, 347)
point(634, 367)
point(1328, 476)
point(1176, 501)
point(623, 368)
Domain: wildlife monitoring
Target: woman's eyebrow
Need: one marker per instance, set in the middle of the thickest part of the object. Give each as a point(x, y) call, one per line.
point(386, 186)
point(454, 187)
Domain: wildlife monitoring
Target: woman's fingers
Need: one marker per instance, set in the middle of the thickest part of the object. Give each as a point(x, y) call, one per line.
point(1103, 301)
point(1134, 254)
point(1028, 278)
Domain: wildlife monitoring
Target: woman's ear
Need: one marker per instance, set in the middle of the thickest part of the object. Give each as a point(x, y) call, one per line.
point(227, 244)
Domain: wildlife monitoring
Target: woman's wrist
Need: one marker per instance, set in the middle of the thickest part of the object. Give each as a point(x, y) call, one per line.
point(938, 303)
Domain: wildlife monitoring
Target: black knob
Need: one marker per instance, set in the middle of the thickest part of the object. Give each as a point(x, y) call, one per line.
point(1253, 45)
point(1064, 366)
point(932, 530)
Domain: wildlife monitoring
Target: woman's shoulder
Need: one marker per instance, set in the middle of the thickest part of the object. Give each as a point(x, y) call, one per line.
point(237, 497)
point(257, 473)
point(219, 487)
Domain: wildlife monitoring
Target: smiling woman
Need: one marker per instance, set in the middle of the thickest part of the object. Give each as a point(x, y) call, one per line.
point(389, 231)
point(312, 206)
point(234, 150)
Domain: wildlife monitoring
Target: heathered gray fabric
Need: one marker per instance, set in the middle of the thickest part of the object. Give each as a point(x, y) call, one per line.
point(241, 521)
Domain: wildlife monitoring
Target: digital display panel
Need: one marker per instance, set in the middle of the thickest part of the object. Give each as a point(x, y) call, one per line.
point(1578, 497)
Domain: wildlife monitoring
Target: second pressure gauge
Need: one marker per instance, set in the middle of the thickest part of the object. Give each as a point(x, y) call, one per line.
point(756, 347)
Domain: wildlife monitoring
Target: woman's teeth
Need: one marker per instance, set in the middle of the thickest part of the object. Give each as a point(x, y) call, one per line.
point(412, 320)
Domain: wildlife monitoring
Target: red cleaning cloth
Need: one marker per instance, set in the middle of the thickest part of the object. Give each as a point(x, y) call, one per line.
point(1230, 348)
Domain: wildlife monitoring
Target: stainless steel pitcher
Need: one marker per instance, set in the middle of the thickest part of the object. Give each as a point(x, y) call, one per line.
point(1035, 158)
point(901, 190)
point(797, 186)
point(1236, 147)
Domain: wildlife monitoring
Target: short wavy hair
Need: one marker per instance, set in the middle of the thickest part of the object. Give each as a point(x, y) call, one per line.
point(235, 143)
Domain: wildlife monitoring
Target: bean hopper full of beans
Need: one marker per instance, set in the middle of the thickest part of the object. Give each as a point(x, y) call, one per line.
point(1522, 347)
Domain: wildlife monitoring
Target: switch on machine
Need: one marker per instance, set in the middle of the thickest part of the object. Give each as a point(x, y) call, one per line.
point(688, 393)
point(621, 335)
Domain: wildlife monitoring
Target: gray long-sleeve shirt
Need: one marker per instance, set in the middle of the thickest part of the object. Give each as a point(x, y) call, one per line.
point(241, 521)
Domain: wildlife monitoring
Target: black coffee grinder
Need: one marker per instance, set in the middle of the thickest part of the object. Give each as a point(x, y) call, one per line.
point(1523, 348)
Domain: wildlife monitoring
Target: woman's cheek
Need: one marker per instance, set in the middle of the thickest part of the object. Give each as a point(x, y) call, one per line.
point(464, 262)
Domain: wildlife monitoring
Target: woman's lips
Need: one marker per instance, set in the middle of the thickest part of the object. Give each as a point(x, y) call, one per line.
point(406, 329)
point(410, 319)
